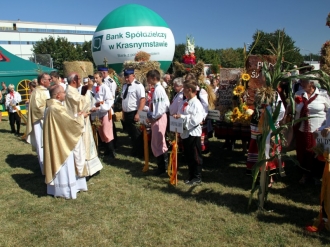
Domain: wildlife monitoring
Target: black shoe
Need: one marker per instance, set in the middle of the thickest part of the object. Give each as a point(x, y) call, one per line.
point(112, 155)
point(96, 174)
point(186, 181)
point(194, 181)
point(159, 172)
point(111, 150)
point(136, 155)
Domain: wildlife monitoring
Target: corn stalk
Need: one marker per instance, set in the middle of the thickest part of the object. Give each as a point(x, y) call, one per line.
point(273, 77)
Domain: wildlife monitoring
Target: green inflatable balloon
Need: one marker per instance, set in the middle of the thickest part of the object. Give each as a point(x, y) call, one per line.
point(129, 29)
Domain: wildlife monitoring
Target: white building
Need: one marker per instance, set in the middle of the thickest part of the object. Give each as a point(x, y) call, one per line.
point(18, 37)
point(316, 64)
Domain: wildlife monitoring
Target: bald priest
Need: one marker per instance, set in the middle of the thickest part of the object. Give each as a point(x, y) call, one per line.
point(61, 135)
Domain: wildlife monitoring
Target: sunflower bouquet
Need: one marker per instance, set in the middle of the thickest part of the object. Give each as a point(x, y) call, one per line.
point(240, 113)
point(242, 116)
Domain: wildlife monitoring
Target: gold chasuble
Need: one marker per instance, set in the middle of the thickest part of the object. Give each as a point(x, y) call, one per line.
point(75, 103)
point(61, 134)
point(37, 105)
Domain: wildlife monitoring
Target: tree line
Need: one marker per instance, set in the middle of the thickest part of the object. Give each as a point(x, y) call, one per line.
point(61, 50)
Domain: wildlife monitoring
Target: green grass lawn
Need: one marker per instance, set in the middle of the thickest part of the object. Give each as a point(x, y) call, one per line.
point(126, 207)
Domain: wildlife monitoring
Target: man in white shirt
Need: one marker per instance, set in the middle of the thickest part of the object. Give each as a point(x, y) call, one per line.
point(133, 101)
point(158, 119)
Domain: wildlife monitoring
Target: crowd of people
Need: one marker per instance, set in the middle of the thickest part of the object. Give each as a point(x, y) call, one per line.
point(67, 120)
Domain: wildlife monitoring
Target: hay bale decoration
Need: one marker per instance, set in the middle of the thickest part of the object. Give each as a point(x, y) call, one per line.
point(84, 68)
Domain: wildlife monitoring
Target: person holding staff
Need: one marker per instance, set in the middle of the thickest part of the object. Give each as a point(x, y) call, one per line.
point(191, 111)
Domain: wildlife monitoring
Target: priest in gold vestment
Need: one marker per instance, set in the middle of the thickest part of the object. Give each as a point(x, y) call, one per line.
point(61, 135)
point(85, 153)
point(35, 120)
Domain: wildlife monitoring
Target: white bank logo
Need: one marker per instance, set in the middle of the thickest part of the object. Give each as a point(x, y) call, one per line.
point(122, 44)
point(97, 43)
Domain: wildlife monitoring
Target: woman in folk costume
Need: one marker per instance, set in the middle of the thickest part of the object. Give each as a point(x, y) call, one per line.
point(178, 97)
point(265, 98)
point(102, 110)
point(323, 220)
point(312, 102)
point(13, 98)
point(191, 111)
point(195, 71)
point(207, 97)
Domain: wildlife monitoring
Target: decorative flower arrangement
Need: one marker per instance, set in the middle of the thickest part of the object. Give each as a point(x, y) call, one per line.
point(189, 59)
point(240, 114)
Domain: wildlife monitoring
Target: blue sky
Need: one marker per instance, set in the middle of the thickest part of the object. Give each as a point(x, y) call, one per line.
point(214, 24)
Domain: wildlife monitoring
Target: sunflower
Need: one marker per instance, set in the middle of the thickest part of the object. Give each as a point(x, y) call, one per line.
point(238, 90)
point(245, 77)
point(245, 107)
point(236, 111)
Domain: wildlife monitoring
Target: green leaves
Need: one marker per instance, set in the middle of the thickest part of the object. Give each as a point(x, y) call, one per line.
point(61, 50)
point(274, 75)
point(268, 44)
